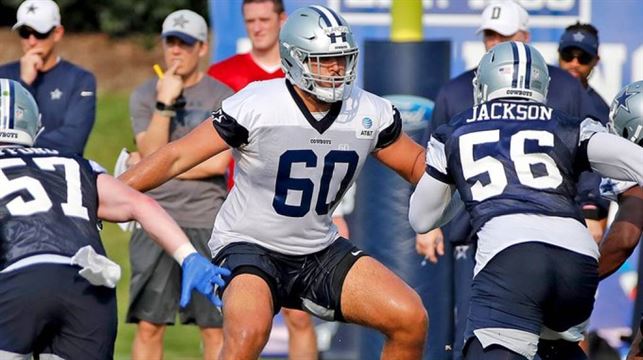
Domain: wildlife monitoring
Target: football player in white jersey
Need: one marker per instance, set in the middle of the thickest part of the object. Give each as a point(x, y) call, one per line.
point(626, 120)
point(299, 143)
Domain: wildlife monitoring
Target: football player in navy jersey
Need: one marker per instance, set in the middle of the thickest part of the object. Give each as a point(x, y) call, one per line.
point(501, 21)
point(626, 120)
point(299, 143)
point(56, 284)
point(514, 161)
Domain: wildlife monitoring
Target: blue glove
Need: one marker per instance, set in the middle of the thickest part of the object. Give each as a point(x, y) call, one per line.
point(200, 275)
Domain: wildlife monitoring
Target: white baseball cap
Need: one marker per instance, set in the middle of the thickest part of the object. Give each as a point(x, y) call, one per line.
point(186, 25)
point(40, 15)
point(504, 17)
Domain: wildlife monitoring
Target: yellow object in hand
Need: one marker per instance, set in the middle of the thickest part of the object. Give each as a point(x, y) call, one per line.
point(158, 71)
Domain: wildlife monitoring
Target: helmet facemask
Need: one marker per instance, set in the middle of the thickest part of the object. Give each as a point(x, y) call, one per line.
point(329, 88)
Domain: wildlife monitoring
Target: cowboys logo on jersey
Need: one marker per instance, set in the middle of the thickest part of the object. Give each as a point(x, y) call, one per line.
point(292, 166)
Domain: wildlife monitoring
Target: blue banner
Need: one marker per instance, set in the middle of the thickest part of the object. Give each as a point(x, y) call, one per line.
point(619, 24)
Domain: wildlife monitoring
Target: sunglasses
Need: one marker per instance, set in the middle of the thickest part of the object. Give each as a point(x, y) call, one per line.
point(25, 32)
point(583, 57)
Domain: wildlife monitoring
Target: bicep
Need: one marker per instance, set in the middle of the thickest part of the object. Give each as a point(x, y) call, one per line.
point(114, 199)
point(404, 156)
point(200, 144)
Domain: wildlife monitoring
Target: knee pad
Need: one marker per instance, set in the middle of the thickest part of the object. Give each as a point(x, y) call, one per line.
point(473, 350)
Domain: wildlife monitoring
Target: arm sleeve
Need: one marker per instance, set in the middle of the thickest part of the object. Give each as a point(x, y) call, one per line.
point(79, 119)
point(615, 157)
point(436, 161)
point(233, 133)
point(427, 204)
point(390, 133)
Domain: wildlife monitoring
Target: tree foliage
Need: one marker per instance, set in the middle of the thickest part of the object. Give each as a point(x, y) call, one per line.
point(114, 17)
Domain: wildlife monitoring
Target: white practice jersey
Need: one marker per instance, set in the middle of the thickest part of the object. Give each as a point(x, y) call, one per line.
point(292, 169)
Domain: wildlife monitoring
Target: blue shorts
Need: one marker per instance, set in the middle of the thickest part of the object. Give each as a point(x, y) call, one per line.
point(50, 309)
point(312, 283)
point(533, 284)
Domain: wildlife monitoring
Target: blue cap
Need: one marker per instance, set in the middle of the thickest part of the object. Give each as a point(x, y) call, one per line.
point(583, 40)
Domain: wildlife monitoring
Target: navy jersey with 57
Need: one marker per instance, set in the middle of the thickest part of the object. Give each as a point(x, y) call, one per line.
point(48, 204)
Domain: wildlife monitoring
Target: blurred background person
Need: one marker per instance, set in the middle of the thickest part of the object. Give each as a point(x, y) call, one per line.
point(65, 93)
point(163, 110)
point(578, 55)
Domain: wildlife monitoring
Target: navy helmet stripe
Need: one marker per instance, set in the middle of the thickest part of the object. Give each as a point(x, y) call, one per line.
point(332, 12)
point(528, 70)
point(323, 16)
point(514, 49)
point(12, 104)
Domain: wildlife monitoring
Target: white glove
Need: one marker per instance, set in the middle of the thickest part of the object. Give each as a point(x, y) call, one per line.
point(97, 269)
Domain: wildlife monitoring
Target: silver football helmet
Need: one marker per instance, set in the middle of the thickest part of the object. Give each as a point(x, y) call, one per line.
point(511, 70)
point(626, 113)
point(19, 116)
point(309, 35)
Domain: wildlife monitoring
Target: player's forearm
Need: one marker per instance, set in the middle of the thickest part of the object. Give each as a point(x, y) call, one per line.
point(215, 166)
point(155, 136)
point(159, 225)
point(153, 170)
point(624, 233)
point(617, 247)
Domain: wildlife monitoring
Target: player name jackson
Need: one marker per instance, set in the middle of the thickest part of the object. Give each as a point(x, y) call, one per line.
point(510, 111)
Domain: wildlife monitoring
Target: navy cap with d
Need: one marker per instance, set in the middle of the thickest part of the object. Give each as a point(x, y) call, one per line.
point(186, 25)
point(577, 38)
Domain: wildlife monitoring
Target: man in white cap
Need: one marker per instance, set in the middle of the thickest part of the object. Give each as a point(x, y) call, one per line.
point(66, 93)
point(163, 110)
point(500, 21)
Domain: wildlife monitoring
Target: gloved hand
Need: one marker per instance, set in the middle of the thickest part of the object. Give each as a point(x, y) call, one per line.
point(199, 274)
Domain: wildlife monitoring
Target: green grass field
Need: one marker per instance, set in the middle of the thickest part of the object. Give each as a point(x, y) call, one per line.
point(112, 132)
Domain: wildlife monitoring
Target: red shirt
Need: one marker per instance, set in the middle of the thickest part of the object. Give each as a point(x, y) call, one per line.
point(240, 70)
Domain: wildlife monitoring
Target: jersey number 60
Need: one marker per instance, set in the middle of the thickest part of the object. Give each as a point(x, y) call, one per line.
point(285, 182)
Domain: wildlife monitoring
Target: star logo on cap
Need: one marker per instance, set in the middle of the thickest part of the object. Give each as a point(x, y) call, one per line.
point(578, 36)
point(180, 21)
point(31, 9)
point(622, 100)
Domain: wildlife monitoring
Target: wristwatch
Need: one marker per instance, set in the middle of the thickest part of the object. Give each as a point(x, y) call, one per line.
point(165, 110)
